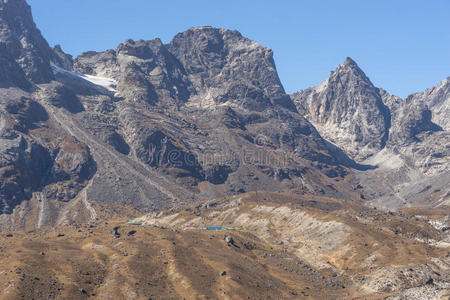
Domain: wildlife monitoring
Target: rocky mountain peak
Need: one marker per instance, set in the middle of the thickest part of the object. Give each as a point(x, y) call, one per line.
point(350, 62)
point(141, 49)
point(420, 113)
point(227, 68)
point(437, 99)
point(347, 109)
point(22, 45)
point(62, 59)
point(204, 67)
point(350, 71)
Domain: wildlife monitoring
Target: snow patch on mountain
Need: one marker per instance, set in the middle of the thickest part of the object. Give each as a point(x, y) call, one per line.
point(108, 83)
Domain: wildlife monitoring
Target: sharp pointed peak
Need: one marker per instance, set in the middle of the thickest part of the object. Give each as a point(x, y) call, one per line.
point(349, 70)
point(350, 63)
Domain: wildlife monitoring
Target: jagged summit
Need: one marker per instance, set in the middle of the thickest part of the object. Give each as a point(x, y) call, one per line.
point(25, 55)
point(351, 67)
point(347, 109)
point(205, 67)
point(23, 46)
point(437, 99)
point(235, 68)
point(350, 62)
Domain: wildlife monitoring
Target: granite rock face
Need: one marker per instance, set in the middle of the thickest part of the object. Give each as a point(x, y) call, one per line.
point(34, 155)
point(437, 101)
point(419, 130)
point(22, 165)
point(347, 109)
point(411, 118)
point(62, 59)
point(22, 45)
point(145, 71)
point(227, 68)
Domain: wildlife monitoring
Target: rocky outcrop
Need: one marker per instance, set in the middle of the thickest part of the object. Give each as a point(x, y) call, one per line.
point(34, 156)
point(10, 72)
point(97, 63)
point(24, 162)
point(411, 119)
point(437, 101)
point(418, 113)
point(22, 46)
point(73, 161)
point(347, 109)
point(148, 68)
point(160, 150)
point(62, 59)
point(423, 144)
point(145, 71)
point(227, 68)
point(25, 113)
point(23, 166)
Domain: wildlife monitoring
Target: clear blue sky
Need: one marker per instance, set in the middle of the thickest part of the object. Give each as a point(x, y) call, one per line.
point(402, 45)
